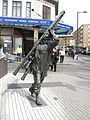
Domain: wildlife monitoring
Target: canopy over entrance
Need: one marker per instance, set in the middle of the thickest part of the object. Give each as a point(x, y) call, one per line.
point(29, 24)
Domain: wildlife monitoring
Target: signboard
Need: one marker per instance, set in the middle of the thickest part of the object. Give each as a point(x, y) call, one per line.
point(28, 21)
point(24, 21)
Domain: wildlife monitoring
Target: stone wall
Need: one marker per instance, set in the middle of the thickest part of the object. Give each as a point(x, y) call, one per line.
point(3, 68)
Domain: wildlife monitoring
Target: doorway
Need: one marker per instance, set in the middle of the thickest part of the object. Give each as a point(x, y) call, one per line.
point(28, 44)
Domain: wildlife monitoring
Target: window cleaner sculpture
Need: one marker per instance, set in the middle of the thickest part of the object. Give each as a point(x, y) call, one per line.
point(38, 59)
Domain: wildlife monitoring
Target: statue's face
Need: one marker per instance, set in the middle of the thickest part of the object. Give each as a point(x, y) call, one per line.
point(47, 40)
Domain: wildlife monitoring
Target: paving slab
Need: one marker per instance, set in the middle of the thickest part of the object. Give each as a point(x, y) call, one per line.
point(64, 97)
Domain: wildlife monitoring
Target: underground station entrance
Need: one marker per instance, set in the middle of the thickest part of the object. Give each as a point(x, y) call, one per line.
point(25, 31)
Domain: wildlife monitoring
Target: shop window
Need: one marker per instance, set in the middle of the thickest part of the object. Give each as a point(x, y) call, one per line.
point(6, 31)
point(17, 5)
point(46, 12)
point(5, 7)
point(7, 48)
point(28, 9)
point(16, 42)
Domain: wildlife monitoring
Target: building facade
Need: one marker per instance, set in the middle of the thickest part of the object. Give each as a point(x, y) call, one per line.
point(24, 8)
point(83, 38)
point(67, 41)
point(23, 21)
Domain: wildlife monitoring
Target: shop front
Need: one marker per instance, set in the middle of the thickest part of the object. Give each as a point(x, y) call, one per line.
point(23, 31)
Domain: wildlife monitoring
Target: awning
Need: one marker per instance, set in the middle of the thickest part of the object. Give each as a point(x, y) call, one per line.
point(29, 23)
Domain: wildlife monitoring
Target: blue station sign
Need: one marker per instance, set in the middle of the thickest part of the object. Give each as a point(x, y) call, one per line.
point(28, 21)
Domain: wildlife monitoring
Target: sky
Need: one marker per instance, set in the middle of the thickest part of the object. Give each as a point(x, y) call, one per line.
point(71, 8)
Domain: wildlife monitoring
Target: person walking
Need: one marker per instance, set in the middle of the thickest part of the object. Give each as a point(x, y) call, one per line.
point(19, 53)
point(62, 54)
point(54, 59)
point(73, 53)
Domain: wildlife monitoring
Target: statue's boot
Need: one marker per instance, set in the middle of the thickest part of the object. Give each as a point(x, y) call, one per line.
point(38, 102)
point(31, 89)
point(37, 92)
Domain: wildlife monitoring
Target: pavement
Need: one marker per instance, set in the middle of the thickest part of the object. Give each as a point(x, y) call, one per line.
point(64, 97)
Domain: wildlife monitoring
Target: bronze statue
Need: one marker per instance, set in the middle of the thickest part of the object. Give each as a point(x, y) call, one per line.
point(38, 59)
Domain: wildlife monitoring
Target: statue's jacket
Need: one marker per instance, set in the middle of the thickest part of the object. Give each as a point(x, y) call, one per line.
point(42, 57)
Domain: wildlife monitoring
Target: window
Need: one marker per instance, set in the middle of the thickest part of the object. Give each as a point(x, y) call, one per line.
point(55, 3)
point(88, 26)
point(88, 34)
point(46, 12)
point(88, 42)
point(89, 39)
point(28, 9)
point(5, 7)
point(88, 29)
point(16, 8)
point(6, 31)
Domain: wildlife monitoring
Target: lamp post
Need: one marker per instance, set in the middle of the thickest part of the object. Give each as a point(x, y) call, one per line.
point(77, 30)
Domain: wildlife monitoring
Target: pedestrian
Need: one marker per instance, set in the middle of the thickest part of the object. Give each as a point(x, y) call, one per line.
point(76, 56)
point(73, 53)
point(62, 54)
point(19, 53)
point(54, 59)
